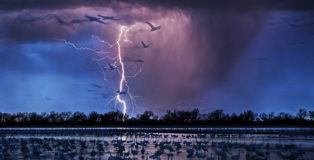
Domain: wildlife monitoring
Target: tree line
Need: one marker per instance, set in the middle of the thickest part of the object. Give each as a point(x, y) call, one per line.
point(175, 117)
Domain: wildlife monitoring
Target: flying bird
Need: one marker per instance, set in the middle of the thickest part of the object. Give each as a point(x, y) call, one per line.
point(145, 45)
point(153, 28)
point(111, 67)
point(138, 60)
point(134, 60)
point(96, 86)
point(121, 92)
point(107, 17)
point(95, 19)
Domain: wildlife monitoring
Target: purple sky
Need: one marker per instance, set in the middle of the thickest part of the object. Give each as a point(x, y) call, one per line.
point(207, 55)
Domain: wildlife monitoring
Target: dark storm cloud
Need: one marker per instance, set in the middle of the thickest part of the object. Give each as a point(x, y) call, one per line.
point(47, 25)
point(213, 4)
point(28, 27)
point(68, 21)
point(28, 18)
point(195, 49)
point(193, 53)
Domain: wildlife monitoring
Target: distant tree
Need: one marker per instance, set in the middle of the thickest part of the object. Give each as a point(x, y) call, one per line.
point(5, 117)
point(311, 114)
point(53, 116)
point(64, 116)
point(78, 117)
point(147, 115)
point(20, 117)
point(263, 117)
point(94, 117)
point(203, 117)
point(234, 117)
point(44, 117)
point(171, 117)
point(226, 117)
point(288, 117)
point(113, 117)
point(280, 116)
point(168, 116)
point(34, 117)
point(216, 115)
point(301, 114)
point(11, 118)
point(271, 116)
point(248, 116)
point(184, 117)
point(194, 115)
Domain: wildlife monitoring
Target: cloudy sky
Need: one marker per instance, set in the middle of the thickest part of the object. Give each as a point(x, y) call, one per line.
point(210, 55)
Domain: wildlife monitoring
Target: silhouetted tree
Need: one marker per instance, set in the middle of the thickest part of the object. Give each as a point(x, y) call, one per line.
point(64, 116)
point(33, 117)
point(53, 116)
point(195, 115)
point(78, 117)
point(147, 115)
point(271, 116)
point(113, 117)
point(301, 114)
point(20, 117)
point(248, 116)
point(311, 114)
point(216, 115)
point(263, 117)
point(234, 117)
point(94, 117)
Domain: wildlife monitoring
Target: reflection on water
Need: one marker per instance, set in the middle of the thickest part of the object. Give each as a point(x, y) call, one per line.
point(156, 143)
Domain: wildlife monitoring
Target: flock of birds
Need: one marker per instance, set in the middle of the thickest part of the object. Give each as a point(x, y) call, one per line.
point(101, 19)
point(144, 45)
point(133, 146)
point(114, 66)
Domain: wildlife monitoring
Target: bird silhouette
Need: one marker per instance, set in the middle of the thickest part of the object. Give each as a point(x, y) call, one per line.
point(134, 60)
point(121, 92)
point(112, 67)
point(153, 28)
point(139, 60)
point(95, 19)
point(145, 45)
point(107, 17)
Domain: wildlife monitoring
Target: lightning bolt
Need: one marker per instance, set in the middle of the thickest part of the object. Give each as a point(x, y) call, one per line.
point(122, 80)
point(123, 84)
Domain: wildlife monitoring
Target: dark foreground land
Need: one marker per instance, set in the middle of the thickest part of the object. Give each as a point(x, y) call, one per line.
point(175, 135)
point(174, 118)
point(157, 143)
